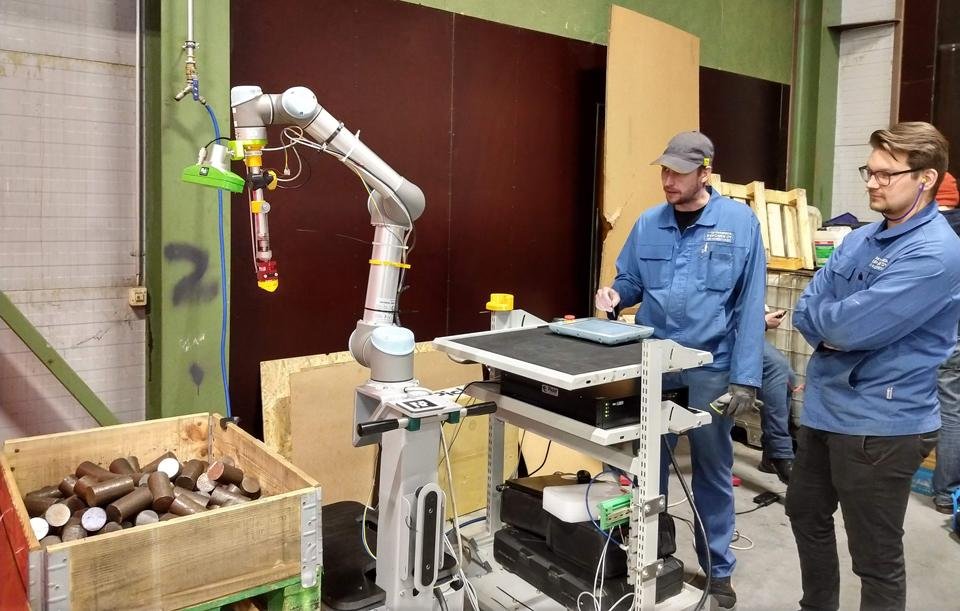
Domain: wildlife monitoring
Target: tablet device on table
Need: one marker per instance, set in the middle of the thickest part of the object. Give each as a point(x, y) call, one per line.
point(610, 332)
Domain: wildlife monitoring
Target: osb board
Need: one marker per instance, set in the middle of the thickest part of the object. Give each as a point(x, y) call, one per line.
point(320, 419)
point(560, 459)
point(652, 93)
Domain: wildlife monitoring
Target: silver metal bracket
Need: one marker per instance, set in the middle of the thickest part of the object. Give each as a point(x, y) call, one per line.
point(35, 577)
point(651, 571)
point(311, 539)
point(58, 581)
point(655, 506)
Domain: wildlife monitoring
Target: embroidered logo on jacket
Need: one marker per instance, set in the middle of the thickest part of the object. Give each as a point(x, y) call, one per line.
point(719, 236)
point(879, 263)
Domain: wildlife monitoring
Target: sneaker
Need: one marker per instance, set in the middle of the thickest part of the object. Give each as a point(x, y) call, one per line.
point(782, 467)
point(722, 591)
point(943, 506)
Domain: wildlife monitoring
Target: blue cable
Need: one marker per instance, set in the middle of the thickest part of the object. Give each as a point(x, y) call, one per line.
point(223, 275)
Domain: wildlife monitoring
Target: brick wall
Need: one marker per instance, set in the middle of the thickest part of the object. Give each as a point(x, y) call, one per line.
point(69, 211)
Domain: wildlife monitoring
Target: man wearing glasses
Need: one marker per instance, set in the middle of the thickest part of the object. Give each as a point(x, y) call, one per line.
point(882, 315)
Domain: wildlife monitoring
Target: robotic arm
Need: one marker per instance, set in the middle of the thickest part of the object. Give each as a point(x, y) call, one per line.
point(394, 204)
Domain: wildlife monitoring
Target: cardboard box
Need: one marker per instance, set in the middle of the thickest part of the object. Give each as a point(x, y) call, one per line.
point(167, 565)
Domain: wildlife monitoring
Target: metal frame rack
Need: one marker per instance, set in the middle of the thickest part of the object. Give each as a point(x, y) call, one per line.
point(612, 446)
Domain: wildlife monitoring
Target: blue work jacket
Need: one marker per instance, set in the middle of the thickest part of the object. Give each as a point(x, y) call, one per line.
point(703, 288)
point(882, 316)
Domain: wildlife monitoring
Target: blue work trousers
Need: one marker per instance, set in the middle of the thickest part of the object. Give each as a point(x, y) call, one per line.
point(775, 394)
point(946, 476)
point(711, 453)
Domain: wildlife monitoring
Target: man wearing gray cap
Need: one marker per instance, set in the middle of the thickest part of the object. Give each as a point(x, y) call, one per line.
point(696, 266)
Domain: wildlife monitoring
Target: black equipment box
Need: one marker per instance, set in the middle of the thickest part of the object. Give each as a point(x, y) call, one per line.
point(527, 556)
point(521, 501)
point(605, 406)
point(521, 506)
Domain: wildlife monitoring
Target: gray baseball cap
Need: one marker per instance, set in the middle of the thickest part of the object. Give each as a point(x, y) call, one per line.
point(686, 152)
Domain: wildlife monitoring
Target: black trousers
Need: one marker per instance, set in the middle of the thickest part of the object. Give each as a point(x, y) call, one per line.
point(870, 479)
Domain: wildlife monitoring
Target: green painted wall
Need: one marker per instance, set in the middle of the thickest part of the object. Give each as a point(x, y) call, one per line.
point(183, 265)
point(752, 37)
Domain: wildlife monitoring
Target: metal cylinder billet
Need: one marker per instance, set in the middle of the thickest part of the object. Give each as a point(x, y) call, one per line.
point(50, 540)
point(53, 492)
point(204, 484)
point(38, 505)
point(147, 516)
point(75, 503)
point(126, 525)
point(122, 466)
point(151, 466)
point(228, 460)
point(104, 492)
point(93, 519)
point(40, 528)
point(189, 473)
point(67, 484)
point(73, 532)
point(200, 498)
point(82, 487)
point(170, 466)
point(110, 527)
point(76, 519)
point(167, 516)
point(145, 479)
point(233, 489)
point(185, 506)
point(161, 489)
point(222, 496)
point(134, 462)
point(250, 486)
point(89, 468)
point(129, 505)
point(57, 515)
point(222, 473)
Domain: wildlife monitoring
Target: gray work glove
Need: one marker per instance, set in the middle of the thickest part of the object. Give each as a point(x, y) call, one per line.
point(739, 400)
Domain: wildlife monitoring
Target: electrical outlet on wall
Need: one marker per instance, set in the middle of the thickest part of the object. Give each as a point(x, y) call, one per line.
point(137, 296)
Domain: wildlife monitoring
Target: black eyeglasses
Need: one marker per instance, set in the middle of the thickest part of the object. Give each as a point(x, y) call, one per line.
point(882, 177)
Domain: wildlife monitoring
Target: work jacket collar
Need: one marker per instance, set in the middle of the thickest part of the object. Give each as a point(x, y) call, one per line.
point(924, 216)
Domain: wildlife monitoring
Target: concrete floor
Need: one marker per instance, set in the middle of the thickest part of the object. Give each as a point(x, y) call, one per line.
point(767, 576)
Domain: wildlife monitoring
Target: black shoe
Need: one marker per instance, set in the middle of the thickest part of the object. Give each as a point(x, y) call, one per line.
point(722, 591)
point(780, 466)
point(946, 508)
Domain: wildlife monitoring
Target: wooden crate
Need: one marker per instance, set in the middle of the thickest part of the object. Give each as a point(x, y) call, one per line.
point(166, 565)
point(785, 224)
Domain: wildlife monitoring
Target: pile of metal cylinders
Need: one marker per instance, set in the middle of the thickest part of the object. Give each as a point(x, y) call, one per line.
point(95, 500)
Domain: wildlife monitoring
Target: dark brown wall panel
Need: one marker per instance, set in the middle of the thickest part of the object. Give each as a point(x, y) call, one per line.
point(525, 107)
point(917, 59)
point(381, 67)
point(747, 120)
point(492, 122)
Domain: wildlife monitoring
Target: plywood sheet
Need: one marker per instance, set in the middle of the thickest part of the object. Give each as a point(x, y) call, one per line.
point(321, 419)
point(652, 93)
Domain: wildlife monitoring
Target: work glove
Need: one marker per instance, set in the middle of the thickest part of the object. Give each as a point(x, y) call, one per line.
point(739, 400)
point(606, 299)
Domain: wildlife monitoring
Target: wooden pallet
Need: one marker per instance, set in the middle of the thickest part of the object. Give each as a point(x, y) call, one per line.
point(784, 221)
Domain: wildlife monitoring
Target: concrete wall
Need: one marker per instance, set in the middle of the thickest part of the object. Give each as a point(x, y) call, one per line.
point(69, 208)
point(864, 85)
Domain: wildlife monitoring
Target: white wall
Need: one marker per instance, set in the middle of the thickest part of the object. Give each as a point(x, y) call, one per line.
point(864, 97)
point(69, 210)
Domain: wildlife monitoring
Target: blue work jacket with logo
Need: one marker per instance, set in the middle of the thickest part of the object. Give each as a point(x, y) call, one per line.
point(704, 287)
point(882, 316)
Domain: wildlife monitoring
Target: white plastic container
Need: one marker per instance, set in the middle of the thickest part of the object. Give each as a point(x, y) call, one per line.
point(825, 241)
point(569, 503)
